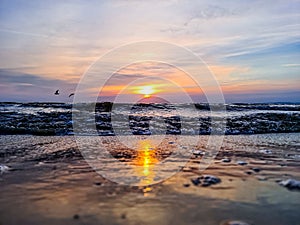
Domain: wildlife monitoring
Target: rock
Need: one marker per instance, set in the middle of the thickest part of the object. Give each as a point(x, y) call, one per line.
point(256, 170)
point(261, 178)
point(186, 169)
point(242, 163)
point(186, 185)
point(210, 179)
point(4, 169)
point(196, 181)
point(248, 172)
point(291, 184)
point(235, 222)
point(206, 180)
point(98, 183)
point(197, 152)
point(76, 217)
point(265, 151)
point(226, 160)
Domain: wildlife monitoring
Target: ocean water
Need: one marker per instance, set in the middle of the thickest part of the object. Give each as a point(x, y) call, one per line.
point(146, 119)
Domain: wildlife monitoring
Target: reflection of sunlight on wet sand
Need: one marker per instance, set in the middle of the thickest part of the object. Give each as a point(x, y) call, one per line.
point(145, 161)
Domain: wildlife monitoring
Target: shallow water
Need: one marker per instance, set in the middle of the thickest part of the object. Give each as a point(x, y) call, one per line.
point(50, 182)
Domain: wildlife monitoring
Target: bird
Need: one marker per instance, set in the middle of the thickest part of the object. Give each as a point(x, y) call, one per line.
point(57, 92)
point(71, 94)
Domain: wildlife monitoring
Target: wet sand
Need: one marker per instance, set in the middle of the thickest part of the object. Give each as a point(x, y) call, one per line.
point(49, 182)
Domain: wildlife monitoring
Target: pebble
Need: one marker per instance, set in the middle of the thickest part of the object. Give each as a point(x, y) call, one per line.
point(206, 180)
point(235, 222)
point(256, 170)
point(242, 163)
point(186, 169)
point(265, 151)
point(291, 184)
point(76, 217)
point(186, 185)
point(197, 152)
point(226, 160)
point(196, 181)
point(4, 169)
point(261, 178)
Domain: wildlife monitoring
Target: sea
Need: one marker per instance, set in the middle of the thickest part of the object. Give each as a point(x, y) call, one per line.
point(108, 119)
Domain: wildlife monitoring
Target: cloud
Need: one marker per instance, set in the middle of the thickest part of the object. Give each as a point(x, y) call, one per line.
point(291, 65)
point(54, 42)
point(17, 86)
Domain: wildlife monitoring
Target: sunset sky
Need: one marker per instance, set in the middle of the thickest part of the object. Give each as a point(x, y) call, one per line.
point(252, 47)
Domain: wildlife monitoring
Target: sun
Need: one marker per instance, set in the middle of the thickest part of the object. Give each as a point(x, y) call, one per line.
point(147, 91)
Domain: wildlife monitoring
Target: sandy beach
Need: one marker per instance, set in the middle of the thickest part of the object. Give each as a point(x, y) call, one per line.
point(49, 182)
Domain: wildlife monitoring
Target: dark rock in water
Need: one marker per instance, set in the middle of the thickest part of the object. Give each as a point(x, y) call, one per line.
point(242, 163)
point(290, 184)
point(226, 160)
point(186, 185)
point(173, 131)
point(234, 222)
point(256, 170)
point(248, 172)
point(206, 180)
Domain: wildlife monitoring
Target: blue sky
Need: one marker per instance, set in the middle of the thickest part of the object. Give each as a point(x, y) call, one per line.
point(251, 46)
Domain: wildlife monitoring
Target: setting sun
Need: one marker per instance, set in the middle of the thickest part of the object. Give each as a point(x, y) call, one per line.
point(147, 91)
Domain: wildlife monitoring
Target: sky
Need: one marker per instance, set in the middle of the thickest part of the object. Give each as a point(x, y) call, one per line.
point(251, 47)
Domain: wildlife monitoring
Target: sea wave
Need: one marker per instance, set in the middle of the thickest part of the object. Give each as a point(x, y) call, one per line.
point(146, 119)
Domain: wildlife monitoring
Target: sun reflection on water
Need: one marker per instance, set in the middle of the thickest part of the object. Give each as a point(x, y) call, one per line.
point(145, 161)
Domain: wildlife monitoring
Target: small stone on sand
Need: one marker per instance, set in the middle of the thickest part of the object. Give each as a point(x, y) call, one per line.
point(256, 170)
point(226, 160)
point(261, 178)
point(197, 152)
point(291, 184)
point(206, 180)
point(196, 181)
point(242, 163)
point(265, 151)
point(76, 217)
point(4, 169)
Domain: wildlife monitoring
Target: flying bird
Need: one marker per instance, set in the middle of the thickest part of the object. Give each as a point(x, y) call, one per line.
point(71, 95)
point(57, 92)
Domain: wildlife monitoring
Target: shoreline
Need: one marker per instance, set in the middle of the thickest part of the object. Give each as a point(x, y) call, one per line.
point(50, 183)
